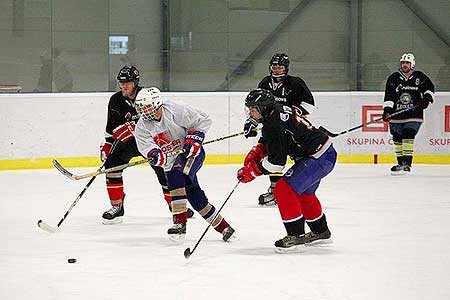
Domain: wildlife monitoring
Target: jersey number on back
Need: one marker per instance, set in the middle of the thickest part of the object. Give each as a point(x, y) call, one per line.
point(296, 112)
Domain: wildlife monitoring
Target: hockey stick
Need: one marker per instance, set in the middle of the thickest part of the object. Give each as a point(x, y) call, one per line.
point(331, 134)
point(72, 176)
point(188, 252)
point(44, 226)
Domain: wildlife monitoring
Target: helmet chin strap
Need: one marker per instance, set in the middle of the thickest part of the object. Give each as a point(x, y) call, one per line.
point(277, 78)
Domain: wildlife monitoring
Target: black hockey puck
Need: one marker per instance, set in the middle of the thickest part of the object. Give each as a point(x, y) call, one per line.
point(71, 260)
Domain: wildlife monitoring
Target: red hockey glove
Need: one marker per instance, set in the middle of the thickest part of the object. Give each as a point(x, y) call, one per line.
point(105, 148)
point(193, 143)
point(257, 153)
point(248, 172)
point(157, 157)
point(124, 132)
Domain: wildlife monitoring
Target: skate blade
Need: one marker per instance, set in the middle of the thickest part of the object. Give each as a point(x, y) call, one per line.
point(117, 220)
point(320, 242)
point(232, 239)
point(272, 204)
point(293, 249)
point(177, 238)
point(400, 173)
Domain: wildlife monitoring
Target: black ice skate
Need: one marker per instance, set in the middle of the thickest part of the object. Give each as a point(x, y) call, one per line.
point(400, 170)
point(228, 234)
point(114, 215)
point(290, 244)
point(177, 232)
point(397, 170)
point(313, 237)
point(267, 199)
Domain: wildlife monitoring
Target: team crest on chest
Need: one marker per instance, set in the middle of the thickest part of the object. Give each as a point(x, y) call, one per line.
point(162, 138)
point(405, 98)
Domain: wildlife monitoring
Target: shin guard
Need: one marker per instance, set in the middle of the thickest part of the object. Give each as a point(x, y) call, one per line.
point(312, 210)
point(115, 193)
point(288, 204)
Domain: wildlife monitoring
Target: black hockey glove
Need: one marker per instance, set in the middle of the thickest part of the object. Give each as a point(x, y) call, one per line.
point(387, 114)
point(425, 101)
point(250, 126)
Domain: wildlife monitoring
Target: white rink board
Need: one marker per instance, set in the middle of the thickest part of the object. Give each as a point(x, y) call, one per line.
point(72, 124)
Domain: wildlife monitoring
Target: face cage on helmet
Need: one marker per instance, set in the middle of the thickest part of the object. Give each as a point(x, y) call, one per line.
point(148, 112)
point(278, 75)
point(247, 113)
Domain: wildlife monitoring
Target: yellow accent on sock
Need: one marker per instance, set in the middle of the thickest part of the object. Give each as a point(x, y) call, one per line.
point(408, 147)
point(398, 148)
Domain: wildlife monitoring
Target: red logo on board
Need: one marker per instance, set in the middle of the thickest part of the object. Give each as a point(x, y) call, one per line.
point(369, 114)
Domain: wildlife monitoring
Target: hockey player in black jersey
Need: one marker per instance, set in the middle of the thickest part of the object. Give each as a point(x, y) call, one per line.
point(288, 90)
point(122, 119)
point(285, 132)
point(404, 89)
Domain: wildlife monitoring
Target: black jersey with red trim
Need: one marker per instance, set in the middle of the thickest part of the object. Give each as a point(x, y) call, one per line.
point(290, 91)
point(287, 132)
point(402, 92)
point(120, 110)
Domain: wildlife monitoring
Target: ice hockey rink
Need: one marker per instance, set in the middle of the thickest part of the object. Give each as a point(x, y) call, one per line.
point(391, 240)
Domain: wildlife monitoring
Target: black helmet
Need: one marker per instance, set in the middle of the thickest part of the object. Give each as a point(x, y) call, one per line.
point(279, 59)
point(128, 74)
point(262, 99)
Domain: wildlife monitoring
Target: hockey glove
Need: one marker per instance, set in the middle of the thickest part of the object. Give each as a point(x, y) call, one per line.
point(387, 114)
point(124, 132)
point(248, 172)
point(257, 153)
point(193, 143)
point(156, 157)
point(425, 101)
point(105, 148)
point(250, 126)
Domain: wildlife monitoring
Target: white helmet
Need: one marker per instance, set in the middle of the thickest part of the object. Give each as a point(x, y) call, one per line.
point(147, 103)
point(409, 57)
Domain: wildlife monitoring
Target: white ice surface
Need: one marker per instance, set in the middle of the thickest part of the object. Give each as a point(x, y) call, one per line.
point(391, 240)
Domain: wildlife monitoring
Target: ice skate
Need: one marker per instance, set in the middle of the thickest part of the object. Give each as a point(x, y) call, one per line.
point(177, 232)
point(398, 170)
point(290, 244)
point(315, 238)
point(114, 215)
point(229, 235)
point(407, 169)
point(267, 199)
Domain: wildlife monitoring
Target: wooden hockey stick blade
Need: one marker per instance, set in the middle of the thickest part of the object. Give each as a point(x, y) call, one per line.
point(44, 226)
point(63, 170)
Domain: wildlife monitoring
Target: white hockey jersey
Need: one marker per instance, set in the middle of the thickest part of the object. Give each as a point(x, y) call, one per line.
point(168, 134)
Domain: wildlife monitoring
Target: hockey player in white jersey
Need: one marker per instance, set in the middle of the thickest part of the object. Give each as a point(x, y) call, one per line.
point(165, 127)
